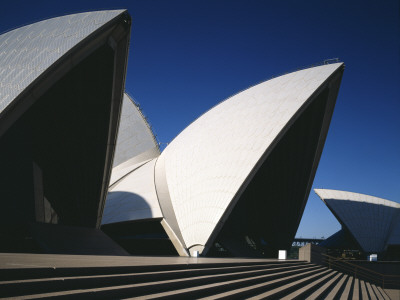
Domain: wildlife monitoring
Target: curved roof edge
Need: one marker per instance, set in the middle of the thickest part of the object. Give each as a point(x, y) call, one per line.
point(135, 136)
point(146, 121)
point(35, 56)
point(326, 194)
point(340, 64)
point(134, 197)
point(136, 142)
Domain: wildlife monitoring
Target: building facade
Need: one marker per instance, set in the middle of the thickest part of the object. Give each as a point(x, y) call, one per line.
point(77, 153)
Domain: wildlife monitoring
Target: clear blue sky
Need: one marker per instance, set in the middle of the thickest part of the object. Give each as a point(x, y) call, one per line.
point(186, 56)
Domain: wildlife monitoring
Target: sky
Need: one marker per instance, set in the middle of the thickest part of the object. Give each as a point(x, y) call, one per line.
point(187, 56)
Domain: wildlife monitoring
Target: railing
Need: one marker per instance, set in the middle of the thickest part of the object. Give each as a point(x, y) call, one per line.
point(384, 280)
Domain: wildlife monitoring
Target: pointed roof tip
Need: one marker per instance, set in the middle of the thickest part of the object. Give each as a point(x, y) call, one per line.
point(327, 63)
point(319, 193)
point(334, 66)
point(339, 64)
point(116, 11)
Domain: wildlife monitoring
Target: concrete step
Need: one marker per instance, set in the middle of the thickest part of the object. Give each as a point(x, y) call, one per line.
point(43, 285)
point(206, 279)
point(321, 291)
point(363, 288)
point(287, 288)
point(377, 293)
point(300, 293)
point(356, 289)
point(229, 289)
point(336, 288)
point(168, 285)
point(347, 289)
point(383, 293)
point(371, 293)
point(8, 274)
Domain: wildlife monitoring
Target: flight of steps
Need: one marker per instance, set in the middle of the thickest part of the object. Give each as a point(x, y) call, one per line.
point(254, 280)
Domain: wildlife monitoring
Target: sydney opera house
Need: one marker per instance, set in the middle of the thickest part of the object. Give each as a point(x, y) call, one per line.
point(77, 154)
point(369, 224)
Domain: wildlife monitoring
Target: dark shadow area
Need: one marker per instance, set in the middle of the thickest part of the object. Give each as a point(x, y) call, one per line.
point(58, 239)
point(53, 158)
point(366, 228)
point(393, 253)
point(266, 217)
point(145, 237)
point(342, 244)
point(340, 240)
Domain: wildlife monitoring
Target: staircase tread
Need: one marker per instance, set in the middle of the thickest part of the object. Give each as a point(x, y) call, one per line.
point(309, 286)
point(164, 282)
point(64, 278)
point(377, 293)
point(53, 271)
point(336, 288)
point(284, 287)
point(296, 279)
point(346, 291)
point(370, 291)
point(364, 293)
point(356, 289)
point(252, 287)
point(216, 296)
point(323, 288)
point(385, 296)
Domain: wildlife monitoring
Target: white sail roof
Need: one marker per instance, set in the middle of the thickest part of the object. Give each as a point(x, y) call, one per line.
point(207, 163)
point(370, 220)
point(27, 52)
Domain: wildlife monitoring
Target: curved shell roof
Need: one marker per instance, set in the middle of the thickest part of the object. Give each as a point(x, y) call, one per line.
point(26, 52)
point(207, 163)
point(372, 221)
point(134, 134)
point(136, 143)
point(132, 194)
point(134, 197)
